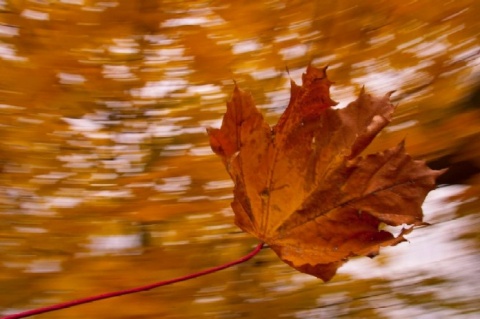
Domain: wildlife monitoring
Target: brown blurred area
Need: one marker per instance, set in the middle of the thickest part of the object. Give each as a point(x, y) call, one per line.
point(107, 180)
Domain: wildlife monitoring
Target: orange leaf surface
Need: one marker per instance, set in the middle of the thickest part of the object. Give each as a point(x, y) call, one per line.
point(302, 186)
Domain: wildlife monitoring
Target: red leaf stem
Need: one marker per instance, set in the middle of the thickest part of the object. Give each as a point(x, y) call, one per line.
point(107, 295)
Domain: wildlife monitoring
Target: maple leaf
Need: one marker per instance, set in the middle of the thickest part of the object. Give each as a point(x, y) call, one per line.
point(302, 186)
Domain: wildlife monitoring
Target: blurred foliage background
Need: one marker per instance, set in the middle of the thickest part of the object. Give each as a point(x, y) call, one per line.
point(107, 180)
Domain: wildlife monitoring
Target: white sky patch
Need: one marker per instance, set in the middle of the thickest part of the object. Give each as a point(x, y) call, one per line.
point(117, 72)
point(218, 184)
point(211, 299)
point(44, 266)
point(76, 157)
point(118, 104)
point(8, 31)
point(166, 130)
point(300, 278)
point(55, 175)
point(173, 147)
point(286, 37)
point(201, 151)
point(134, 154)
point(35, 15)
point(107, 4)
point(8, 52)
point(118, 164)
point(203, 89)
point(408, 44)
point(429, 48)
point(122, 49)
point(158, 39)
point(212, 123)
point(246, 46)
point(112, 193)
point(131, 138)
point(69, 78)
point(470, 52)
point(219, 96)
point(200, 216)
point(407, 310)
point(277, 100)
point(98, 135)
point(162, 112)
point(159, 89)
point(63, 202)
point(265, 74)
point(22, 119)
point(295, 75)
point(185, 199)
point(8, 106)
point(283, 288)
point(100, 245)
point(170, 23)
point(379, 40)
point(175, 150)
point(331, 305)
point(164, 55)
point(79, 165)
point(401, 126)
point(194, 130)
point(36, 208)
point(74, 2)
point(382, 82)
point(93, 9)
point(293, 52)
point(31, 230)
point(343, 95)
point(325, 60)
point(217, 227)
point(175, 184)
point(177, 72)
point(124, 46)
point(83, 125)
